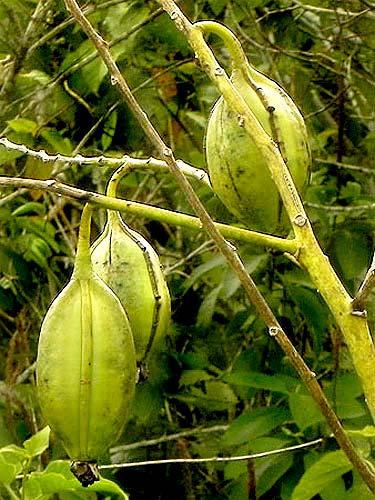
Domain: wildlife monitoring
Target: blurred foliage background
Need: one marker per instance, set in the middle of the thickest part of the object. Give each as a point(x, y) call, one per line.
point(221, 374)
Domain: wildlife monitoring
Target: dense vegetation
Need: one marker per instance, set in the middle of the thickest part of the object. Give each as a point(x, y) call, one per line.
point(222, 377)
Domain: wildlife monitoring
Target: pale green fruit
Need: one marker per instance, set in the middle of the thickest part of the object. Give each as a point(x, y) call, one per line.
point(238, 172)
point(86, 368)
point(131, 267)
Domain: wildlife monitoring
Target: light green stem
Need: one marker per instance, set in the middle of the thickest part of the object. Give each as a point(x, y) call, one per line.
point(353, 327)
point(82, 264)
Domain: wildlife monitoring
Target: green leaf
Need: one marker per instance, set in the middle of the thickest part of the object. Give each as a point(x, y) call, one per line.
point(23, 125)
point(191, 377)
point(213, 263)
point(11, 459)
point(217, 6)
point(90, 76)
point(57, 478)
point(207, 308)
point(304, 410)
point(253, 424)
point(13, 453)
point(38, 251)
point(59, 143)
point(368, 432)
point(270, 470)
point(7, 156)
point(346, 393)
point(317, 477)
point(215, 396)
point(359, 491)
point(109, 130)
point(275, 383)
point(314, 310)
point(8, 472)
point(29, 208)
point(351, 252)
point(38, 443)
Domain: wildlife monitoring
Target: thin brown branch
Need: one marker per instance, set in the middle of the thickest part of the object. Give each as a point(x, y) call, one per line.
point(60, 27)
point(365, 289)
point(347, 166)
point(169, 437)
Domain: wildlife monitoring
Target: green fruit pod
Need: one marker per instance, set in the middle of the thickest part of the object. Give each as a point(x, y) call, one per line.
point(238, 172)
point(86, 368)
point(131, 267)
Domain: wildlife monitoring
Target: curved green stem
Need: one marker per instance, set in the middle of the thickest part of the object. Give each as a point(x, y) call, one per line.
point(239, 61)
point(82, 264)
point(175, 218)
point(238, 57)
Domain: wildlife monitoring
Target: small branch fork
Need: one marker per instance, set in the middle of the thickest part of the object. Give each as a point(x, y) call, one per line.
point(228, 251)
point(365, 288)
point(150, 212)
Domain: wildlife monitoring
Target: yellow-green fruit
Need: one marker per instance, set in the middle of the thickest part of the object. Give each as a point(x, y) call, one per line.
point(86, 366)
point(238, 172)
point(131, 267)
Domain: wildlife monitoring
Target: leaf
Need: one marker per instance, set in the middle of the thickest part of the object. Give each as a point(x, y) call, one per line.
point(59, 143)
point(351, 252)
point(346, 393)
point(11, 458)
point(57, 478)
point(8, 472)
point(7, 156)
point(191, 377)
point(30, 207)
point(207, 308)
point(314, 310)
point(275, 383)
point(359, 491)
point(217, 261)
point(38, 443)
point(37, 169)
point(214, 396)
point(304, 410)
point(272, 469)
point(23, 125)
point(38, 251)
point(253, 424)
point(327, 469)
point(368, 432)
point(109, 130)
point(90, 76)
point(231, 282)
point(217, 6)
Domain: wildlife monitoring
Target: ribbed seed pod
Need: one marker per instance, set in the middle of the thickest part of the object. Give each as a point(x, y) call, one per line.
point(238, 171)
point(131, 267)
point(86, 367)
